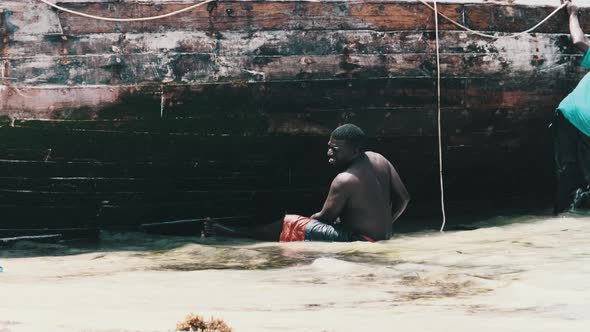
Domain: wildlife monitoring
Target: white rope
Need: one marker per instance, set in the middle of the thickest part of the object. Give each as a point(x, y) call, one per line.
point(438, 94)
point(127, 19)
point(486, 35)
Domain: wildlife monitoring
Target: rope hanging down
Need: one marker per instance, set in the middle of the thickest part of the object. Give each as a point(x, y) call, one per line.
point(438, 104)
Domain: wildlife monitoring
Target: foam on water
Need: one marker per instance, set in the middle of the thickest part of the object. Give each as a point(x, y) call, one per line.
point(525, 273)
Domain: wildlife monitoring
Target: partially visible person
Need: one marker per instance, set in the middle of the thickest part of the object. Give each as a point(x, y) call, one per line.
point(364, 200)
point(572, 129)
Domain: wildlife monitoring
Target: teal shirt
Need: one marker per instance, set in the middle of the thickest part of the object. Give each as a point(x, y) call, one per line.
point(576, 106)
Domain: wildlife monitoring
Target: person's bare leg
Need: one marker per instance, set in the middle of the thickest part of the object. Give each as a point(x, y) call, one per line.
point(267, 232)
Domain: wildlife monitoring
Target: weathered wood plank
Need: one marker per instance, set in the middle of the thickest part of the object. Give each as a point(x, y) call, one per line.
point(196, 197)
point(145, 102)
point(28, 18)
point(395, 122)
point(149, 102)
point(265, 209)
point(388, 122)
point(26, 215)
point(264, 178)
point(405, 152)
point(121, 169)
point(109, 212)
point(497, 17)
point(256, 15)
point(128, 216)
point(100, 209)
point(259, 15)
point(285, 43)
point(79, 102)
point(205, 68)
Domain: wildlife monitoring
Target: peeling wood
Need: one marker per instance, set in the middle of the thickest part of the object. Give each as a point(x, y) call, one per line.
point(206, 68)
point(284, 43)
point(30, 17)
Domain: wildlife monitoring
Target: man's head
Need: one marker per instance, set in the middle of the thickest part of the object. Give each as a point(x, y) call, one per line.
point(345, 144)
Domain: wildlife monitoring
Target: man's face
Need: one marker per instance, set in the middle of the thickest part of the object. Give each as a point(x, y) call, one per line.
point(340, 152)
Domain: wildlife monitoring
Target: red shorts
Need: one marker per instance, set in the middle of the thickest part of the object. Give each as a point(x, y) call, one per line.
point(294, 228)
point(299, 228)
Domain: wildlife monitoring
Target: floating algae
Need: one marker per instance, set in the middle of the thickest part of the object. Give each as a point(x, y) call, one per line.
point(196, 323)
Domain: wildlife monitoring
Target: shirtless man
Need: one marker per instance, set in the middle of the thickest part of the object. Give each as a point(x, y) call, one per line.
point(364, 200)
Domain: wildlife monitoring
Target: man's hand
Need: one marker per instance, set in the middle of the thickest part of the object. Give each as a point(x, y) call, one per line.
point(578, 38)
point(571, 8)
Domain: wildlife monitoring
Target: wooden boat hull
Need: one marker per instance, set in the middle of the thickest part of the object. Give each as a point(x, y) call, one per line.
point(226, 109)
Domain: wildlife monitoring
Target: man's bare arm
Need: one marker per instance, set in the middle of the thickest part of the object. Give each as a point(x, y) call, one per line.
point(399, 194)
point(335, 201)
point(578, 38)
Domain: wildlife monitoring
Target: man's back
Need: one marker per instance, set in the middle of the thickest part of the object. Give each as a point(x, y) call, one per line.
point(369, 207)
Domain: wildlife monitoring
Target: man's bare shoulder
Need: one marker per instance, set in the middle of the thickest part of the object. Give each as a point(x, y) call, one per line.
point(375, 155)
point(377, 158)
point(344, 179)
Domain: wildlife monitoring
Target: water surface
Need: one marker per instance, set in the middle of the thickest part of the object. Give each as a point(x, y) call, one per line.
point(523, 273)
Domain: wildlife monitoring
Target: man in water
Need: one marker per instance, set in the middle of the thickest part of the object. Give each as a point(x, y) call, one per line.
point(364, 200)
point(572, 129)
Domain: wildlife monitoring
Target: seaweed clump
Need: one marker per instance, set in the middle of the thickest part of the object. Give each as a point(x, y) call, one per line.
point(196, 323)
